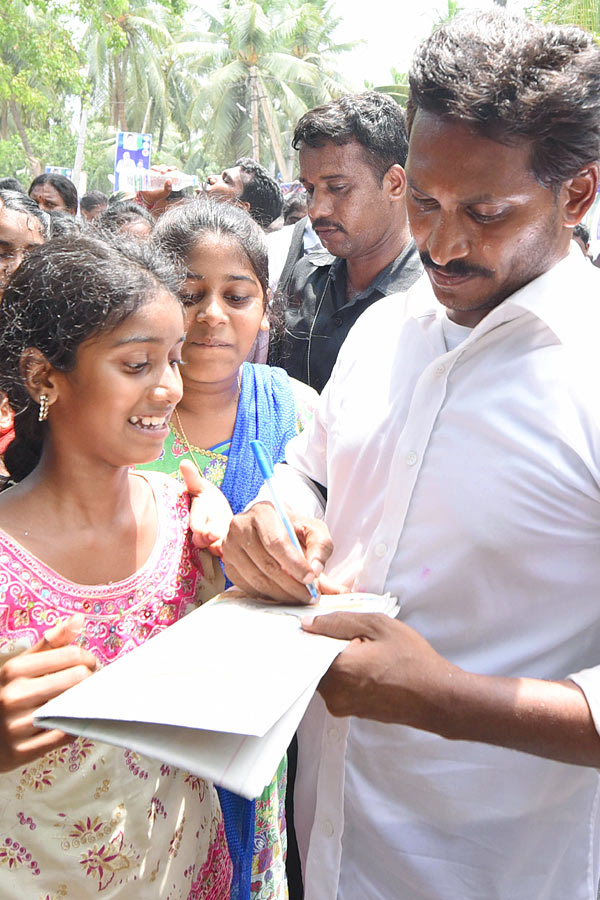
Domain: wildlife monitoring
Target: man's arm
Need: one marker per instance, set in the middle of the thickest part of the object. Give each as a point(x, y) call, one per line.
point(391, 674)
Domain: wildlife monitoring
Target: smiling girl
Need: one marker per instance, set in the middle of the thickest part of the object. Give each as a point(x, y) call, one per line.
point(90, 343)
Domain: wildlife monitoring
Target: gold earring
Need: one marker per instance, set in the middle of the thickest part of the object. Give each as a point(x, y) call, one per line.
point(43, 413)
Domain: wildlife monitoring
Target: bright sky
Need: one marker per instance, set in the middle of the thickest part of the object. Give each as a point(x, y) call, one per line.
point(391, 32)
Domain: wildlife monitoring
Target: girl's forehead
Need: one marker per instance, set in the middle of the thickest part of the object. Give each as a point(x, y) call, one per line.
point(158, 319)
point(224, 252)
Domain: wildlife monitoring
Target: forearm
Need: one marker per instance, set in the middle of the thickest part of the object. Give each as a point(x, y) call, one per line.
point(390, 673)
point(546, 718)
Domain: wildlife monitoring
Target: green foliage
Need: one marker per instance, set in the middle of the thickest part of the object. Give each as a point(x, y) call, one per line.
point(583, 13)
point(201, 84)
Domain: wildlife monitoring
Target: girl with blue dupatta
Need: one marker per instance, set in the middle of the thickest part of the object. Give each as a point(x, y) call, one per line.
point(226, 403)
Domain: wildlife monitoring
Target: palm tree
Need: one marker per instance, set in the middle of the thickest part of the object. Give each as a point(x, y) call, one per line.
point(584, 13)
point(128, 66)
point(256, 73)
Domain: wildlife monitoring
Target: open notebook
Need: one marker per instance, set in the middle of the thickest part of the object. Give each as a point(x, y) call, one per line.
point(219, 693)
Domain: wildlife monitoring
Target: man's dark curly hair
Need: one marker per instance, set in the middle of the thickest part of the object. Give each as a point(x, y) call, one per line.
point(511, 79)
point(261, 192)
point(374, 120)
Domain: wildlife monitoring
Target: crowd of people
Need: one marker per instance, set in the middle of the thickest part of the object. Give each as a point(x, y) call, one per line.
point(416, 348)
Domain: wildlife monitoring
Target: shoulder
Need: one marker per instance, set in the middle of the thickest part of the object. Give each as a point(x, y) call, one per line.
point(384, 318)
point(304, 395)
point(305, 399)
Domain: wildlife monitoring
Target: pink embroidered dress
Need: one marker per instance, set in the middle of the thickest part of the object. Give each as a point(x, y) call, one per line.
point(91, 820)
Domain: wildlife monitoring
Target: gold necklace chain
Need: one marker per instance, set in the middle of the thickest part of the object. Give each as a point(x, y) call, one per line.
point(185, 438)
point(186, 442)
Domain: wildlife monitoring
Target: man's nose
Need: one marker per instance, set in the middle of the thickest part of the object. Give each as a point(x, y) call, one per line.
point(319, 205)
point(447, 240)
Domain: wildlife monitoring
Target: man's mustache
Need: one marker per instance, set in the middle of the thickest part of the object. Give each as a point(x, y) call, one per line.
point(455, 267)
point(327, 223)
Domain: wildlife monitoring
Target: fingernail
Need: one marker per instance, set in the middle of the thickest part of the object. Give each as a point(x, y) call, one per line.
point(307, 621)
point(317, 566)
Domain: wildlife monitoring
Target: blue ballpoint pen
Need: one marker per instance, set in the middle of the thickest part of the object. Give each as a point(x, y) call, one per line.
point(265, 464)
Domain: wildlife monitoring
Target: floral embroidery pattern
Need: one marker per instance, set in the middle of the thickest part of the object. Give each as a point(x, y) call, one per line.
point(13, 855)
point(105, 861)
point(77, 823)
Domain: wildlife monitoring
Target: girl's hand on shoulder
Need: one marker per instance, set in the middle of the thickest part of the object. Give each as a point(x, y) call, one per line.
point(32, 678)
point(210, 513)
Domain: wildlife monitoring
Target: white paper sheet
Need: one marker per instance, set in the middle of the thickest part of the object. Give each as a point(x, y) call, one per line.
point(219, 693)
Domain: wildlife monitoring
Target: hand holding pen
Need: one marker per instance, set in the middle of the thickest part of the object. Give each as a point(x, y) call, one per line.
point(261, 560)
point(265, 465)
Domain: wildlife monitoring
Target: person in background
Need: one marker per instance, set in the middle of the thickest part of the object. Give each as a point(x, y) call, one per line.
point(23, 226)
point(226, 403)
point(456, 754)
point(127, 217)
point(249, 185)
point(294, 207)
point(92, 205)
point(95, 560)
point(581, 236)
point(352, 153)
point(54, 192)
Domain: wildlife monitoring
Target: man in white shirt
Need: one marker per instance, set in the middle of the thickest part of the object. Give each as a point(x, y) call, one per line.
point(459, 443)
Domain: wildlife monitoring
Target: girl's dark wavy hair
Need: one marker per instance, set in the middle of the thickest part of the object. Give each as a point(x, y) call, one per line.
point(63, 293)
point(512, 79)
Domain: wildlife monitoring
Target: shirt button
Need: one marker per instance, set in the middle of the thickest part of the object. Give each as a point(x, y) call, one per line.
point(380, 550)
point(333, 734)
point(337, 320)
point(327, 828)
point(410, 458)
point(439, 370)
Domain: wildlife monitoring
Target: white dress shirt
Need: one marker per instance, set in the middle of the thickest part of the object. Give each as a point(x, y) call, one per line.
point(467, 483)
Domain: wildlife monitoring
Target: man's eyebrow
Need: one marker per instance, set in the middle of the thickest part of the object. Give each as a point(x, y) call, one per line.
point(479, 198)
point(324, 177)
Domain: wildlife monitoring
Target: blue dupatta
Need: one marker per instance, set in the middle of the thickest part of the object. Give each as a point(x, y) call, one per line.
point(266, 412)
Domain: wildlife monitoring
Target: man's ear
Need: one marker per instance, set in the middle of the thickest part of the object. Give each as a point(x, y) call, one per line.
point(243, 204)
point(579, 193)
point(39, 376)
point(395, 182)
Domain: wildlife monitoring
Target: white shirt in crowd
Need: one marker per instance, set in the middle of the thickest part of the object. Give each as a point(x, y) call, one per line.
point(467, 483)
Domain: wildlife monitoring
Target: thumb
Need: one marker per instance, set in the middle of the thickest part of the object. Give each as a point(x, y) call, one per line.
point(61, 634)
point(194, 482)
point(341, 625)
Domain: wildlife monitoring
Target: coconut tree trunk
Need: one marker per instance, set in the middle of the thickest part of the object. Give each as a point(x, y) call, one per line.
point(36, 166)
point(275, 142)
point(147, 115)
point(254, 112)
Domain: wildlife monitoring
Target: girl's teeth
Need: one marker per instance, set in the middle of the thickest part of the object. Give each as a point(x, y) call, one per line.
point(148, 421)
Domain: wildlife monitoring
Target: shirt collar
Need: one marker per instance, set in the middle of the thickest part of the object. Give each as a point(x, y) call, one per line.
point(563, 297)
point(396, 276)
